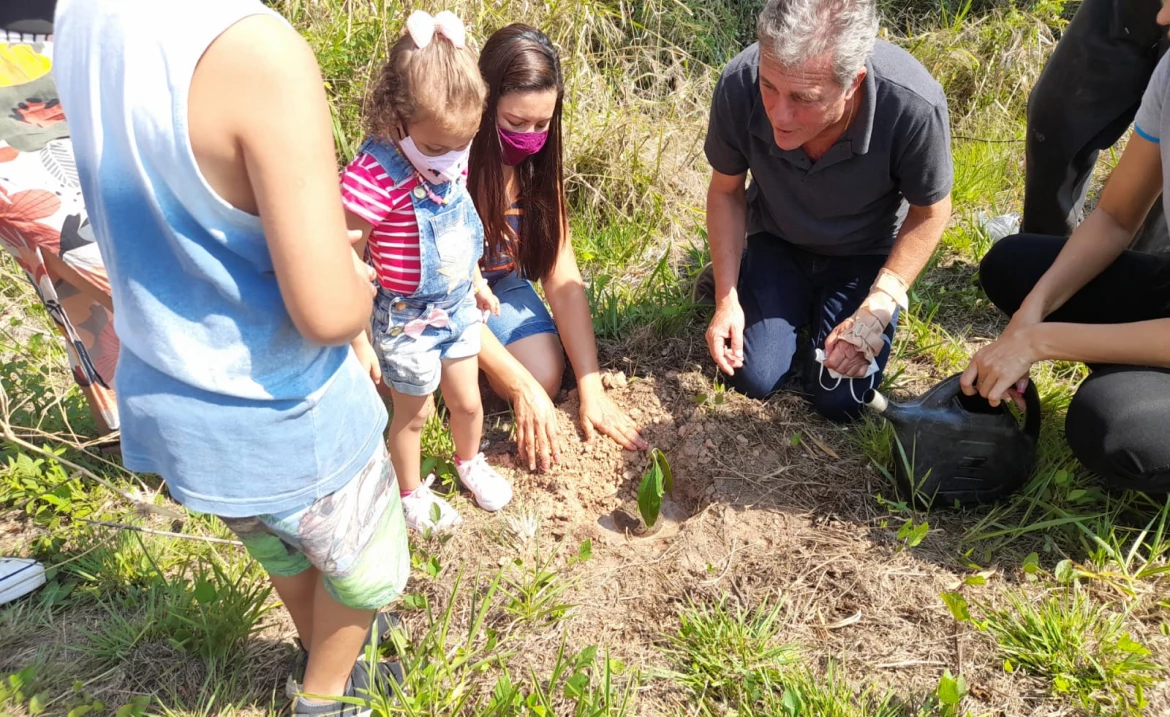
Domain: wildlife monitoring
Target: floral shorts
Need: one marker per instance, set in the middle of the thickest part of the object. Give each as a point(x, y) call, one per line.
point(412, 340)
point(356, 538)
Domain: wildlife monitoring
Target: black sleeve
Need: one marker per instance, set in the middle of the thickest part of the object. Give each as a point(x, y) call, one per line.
point(924, 171)
point(727, 127)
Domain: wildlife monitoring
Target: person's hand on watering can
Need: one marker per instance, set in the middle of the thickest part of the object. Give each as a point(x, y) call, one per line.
point(1000, 369)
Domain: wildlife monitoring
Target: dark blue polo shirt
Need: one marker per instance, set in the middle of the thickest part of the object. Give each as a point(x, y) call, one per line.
point(853, 199)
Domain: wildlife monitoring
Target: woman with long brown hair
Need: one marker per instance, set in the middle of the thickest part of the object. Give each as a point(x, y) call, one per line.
point(517, 182)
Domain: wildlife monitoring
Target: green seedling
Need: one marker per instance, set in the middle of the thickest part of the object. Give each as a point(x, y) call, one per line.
point(657, 482)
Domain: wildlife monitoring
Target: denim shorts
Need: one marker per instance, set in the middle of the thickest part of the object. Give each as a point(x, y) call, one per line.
point(412, 361)
point(356, 538)
point(522, 312)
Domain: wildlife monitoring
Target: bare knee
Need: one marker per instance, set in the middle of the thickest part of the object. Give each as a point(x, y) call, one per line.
point(549, 375)
point(544, 358)
point(407, 418)
point(467, 405)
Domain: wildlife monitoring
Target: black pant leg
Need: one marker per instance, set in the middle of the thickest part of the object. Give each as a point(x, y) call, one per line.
point(1082, 103)
point(1118, 425)
point(1135, 287)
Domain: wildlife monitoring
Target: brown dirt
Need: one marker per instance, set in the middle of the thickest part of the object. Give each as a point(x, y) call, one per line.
point(754, 516)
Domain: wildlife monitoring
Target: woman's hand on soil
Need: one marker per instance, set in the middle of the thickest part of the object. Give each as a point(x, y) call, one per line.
point(1000, 369)
point(601, 415)
point(536, 425)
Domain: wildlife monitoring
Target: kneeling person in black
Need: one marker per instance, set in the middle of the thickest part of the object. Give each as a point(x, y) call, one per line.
point(1087, 298)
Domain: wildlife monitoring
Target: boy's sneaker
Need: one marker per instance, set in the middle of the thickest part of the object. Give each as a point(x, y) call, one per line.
point(384, 623)
point(303, 707)
point(419, 507)
point(364, 684)
point(491, 490)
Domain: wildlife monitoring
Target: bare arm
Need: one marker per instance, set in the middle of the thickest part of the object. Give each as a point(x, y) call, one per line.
point(726, 227)
point(1105, 233)
point(916, 241)
point(257, 95)
point(565, 290)
point(999, 367)
point(918, 238)
point(1142, 343)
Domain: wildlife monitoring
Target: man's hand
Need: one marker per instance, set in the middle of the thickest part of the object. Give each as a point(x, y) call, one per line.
point(725, 335)
point(842, 356)
point(851, 346)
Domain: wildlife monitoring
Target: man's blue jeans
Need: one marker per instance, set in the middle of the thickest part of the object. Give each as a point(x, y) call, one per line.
point(782, 289)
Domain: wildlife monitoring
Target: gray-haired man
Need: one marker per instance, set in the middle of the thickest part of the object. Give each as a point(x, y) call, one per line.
point(847, 141)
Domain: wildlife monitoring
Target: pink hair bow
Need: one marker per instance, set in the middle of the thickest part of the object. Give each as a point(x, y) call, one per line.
point(437, 318)
point(422, 27)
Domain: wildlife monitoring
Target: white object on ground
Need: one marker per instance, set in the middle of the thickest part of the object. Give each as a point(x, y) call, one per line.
point(999, 227)
point(19, 577)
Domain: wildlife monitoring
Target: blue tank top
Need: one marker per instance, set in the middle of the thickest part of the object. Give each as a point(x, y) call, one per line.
point(219, 393)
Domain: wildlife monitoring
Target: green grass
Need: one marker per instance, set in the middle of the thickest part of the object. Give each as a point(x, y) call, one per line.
point(730, 657)
point(1075, 617)
point(1078, 646)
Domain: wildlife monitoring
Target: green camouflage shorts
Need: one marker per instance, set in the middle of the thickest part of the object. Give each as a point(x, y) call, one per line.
point(356, 538)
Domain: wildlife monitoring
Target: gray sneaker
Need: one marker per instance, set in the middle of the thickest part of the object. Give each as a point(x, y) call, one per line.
point(365, 681)
point(302, 707)
point(703, 290)
point(384, 624)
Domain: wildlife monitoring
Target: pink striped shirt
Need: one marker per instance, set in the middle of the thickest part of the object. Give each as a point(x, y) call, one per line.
point(369, 193)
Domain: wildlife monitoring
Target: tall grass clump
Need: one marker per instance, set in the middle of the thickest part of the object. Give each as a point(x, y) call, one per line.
point(638, 80)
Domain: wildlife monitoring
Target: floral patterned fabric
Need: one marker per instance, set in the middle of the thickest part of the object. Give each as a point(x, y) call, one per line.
point(43, 222)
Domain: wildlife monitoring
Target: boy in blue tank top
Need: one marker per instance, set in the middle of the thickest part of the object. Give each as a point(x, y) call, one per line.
point(203, 145)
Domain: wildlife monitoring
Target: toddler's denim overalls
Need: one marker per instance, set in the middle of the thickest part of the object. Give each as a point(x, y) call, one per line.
point(413, 334)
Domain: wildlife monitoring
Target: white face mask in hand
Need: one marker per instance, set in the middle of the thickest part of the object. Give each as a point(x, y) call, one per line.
point(870, 373)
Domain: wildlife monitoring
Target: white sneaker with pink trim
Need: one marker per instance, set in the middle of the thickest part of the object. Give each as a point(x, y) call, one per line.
point(422, 507)
point(491, 490)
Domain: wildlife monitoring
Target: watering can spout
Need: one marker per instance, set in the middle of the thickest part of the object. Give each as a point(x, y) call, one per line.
point(876, 401)
point(892, 412)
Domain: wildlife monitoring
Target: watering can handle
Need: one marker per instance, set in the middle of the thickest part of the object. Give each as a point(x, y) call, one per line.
point(951, 388)
point(1032, 410)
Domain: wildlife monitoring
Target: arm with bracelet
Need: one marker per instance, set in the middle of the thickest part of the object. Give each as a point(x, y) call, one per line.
point(857, 341)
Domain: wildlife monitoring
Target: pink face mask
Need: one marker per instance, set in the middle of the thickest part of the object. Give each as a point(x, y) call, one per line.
point(517, 146)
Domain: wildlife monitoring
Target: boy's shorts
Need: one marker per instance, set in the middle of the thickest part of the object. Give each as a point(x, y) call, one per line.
point(413, 340)
point(356, 538)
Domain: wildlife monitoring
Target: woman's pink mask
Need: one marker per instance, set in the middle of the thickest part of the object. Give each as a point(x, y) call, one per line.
point(517, 146)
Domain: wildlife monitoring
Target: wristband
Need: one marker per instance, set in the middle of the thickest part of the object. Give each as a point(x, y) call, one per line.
point(893, 286)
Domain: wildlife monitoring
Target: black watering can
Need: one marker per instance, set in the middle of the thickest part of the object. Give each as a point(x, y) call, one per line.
point(960, 448)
